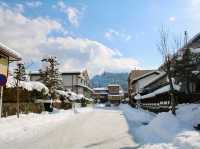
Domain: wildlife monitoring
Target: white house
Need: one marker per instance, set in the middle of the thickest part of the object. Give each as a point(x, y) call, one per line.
point(77, 82)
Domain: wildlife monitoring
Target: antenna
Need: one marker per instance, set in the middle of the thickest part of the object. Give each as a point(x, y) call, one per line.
point(185, 37)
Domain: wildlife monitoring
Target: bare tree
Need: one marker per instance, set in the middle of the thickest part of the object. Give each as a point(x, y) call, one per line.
point(163, 47)
point(19, 74)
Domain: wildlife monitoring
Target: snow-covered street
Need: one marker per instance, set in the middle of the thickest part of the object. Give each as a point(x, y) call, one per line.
point(99, 128)
point(102, 127)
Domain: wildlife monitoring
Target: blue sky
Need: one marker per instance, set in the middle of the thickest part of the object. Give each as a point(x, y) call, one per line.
point(100, 35)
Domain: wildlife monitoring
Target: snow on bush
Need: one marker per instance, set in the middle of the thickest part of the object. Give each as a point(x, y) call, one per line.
point(72, 96)
point(28, 85)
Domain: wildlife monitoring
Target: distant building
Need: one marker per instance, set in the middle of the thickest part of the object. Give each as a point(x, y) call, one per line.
point(115, 93)
point(77, 82)
point(100, 94)
point(112, 93)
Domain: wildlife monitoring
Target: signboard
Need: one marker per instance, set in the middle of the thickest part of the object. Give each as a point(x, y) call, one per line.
point(4, 65)
point(3, 80)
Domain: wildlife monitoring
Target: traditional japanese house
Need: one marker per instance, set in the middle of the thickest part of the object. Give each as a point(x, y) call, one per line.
point(115, 93)
point(100, 94)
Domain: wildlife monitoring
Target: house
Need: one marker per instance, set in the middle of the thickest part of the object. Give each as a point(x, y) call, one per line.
point(100, 94)
point(115, 93)
point(152, 90)
point(7, 55)
point(77, 82)
point(142, 82)
point(134, 74)
point(140, 79)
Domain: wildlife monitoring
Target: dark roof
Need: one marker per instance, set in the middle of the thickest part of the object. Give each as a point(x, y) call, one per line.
point(139, 74)
point(136, 73)
point(71, 73)
point(35, 74)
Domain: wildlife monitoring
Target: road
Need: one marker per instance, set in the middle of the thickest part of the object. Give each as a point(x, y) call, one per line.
point(99, 129)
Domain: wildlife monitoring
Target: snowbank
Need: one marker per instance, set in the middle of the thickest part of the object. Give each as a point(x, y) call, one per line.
point(136, 115)
point(33, 125)
point(163, 128)
point(28, 85)
point(169, 131)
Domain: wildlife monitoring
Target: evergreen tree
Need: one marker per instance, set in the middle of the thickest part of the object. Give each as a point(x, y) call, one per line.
point(19, 75)
point(20, 72)
point(184, 66)
point(50, 74)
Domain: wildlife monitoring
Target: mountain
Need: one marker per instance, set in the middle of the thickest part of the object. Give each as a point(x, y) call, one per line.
point(110, 78)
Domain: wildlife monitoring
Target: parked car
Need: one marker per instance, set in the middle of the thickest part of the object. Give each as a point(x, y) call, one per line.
point(108, 104)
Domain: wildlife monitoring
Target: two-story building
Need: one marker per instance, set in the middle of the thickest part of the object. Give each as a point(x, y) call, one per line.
point(77, 82)
point(115, 93)
point(100, 94)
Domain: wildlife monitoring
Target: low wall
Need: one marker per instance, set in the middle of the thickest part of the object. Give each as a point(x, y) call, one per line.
point(25, 107)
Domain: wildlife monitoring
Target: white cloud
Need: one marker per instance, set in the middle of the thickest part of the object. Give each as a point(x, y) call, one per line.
point(112, 34)
point(72, 13)
point(31, 38)
point(172, 18)
point(194, 8)
point(24, 34)
point(34, 3)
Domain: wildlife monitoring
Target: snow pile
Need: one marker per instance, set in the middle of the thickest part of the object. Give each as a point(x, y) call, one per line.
point(28, 85)
point(170, 131)
point(136, 115)
point(33, 125)
point(189, 114)
point(163, 128)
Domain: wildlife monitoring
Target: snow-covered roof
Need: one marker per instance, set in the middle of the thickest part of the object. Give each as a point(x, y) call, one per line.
point(13, 55)
point(85, 87)
point(195, 50)
point(28, 85)
point(161, 90)
point(113, 85)
point(100, 89)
